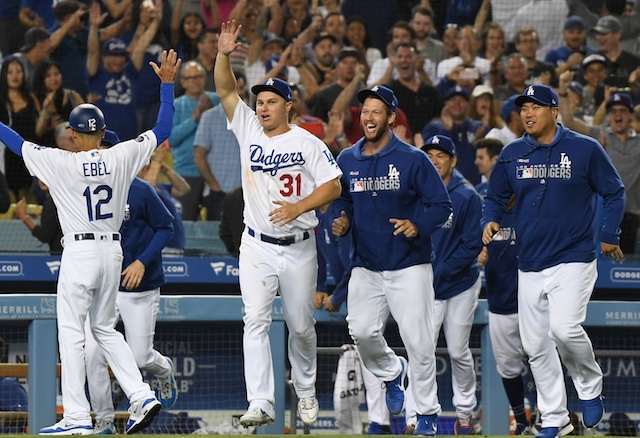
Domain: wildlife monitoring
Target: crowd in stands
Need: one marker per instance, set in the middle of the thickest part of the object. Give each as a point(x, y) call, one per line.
point(454, 67)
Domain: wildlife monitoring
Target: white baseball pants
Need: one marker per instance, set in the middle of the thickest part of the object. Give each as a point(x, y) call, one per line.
point(265, 270)
point(407, 294)
point(138, 311)
point(552, 305)
point(506, 344)
point(455, 315)
point(88, 286)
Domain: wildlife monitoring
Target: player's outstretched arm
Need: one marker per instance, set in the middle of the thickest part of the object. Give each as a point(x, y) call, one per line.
point(167, 72)
point(222, 74)
point(11, 138)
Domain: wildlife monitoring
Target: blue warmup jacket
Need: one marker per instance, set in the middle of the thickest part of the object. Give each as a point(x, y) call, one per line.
point(457, 244)
point(556, 187)
point(398, 182)
point(334, 252)
point(501, 270)
point(146, 229)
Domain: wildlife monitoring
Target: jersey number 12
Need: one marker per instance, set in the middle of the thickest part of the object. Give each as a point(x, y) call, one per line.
point(94, 211)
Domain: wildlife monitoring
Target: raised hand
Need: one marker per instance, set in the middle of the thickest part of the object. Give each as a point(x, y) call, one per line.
point(169, 66)
point(228, 40)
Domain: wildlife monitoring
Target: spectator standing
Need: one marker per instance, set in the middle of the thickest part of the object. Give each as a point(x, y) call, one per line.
point(483, 108)
point(111, 76)
point(594, 73)
point(422, 24)
point(280, 220)
point(358, 37)
point(217, 155)
point(185, 31)
point(379, 14)
point(56, 102)
point(467, 69)
point(455, 124)
point(515, 75)
point(418, 99)
point(570, 170)
point(189, 109)
point(456, 277)
point(620, 63)
point(623, 148)
point(207, 52)
point(22, 112)
point(402, 218)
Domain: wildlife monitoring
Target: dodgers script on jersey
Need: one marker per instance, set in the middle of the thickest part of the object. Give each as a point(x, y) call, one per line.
point(287, 167)
point(84, 185)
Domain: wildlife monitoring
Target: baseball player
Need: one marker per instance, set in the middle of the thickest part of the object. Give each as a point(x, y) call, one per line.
point(89, 189)
point(456, 281)
point(286, 173)
point(392, 200)
point(501, 283)
point(556, 175)
point(146, 229)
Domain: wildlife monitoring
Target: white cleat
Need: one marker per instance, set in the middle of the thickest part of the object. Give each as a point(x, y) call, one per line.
point(308, 410)
point(63, 427)
point(255, 417)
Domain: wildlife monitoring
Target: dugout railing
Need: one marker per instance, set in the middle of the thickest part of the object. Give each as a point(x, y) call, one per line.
point(38, 312)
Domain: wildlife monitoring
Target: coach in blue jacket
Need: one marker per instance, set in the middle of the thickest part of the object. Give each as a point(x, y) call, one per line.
point(456, 277)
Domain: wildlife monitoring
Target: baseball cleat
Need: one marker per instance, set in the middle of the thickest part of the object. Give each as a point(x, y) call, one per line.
point(395, 390)
point(255, 417)
point(427, 425)
point(592, 411)
point(555, 432)
point(523, 429)
point(168, 389)
point(378, 429)
point(141, 414)
point(308, 409)
point(104, 427)
point(63, 427)
point(463, 426)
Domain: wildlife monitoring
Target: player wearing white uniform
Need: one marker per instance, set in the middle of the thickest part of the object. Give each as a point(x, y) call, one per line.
point(393, 200)
point(89, 189)
point(556, 175)
point(286, 174)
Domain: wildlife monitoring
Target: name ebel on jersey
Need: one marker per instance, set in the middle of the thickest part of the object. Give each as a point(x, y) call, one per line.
point(273, 161)
point(389, 182)
point(561, 170)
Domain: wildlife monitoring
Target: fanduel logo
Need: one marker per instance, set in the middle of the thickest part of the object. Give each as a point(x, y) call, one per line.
point(54, 266)
point(217, 267)
point(272, 161)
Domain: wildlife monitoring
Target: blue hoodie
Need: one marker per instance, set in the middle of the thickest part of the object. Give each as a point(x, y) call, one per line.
point(398, 182)
point(457, 244)
point(501, 270)
point(336, 252)
point(556, 187)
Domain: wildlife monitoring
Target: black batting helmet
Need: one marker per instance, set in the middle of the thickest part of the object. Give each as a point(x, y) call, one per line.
point(86, 118)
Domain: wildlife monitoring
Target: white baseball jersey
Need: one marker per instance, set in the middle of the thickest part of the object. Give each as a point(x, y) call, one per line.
point(287, 167)
point(90, 188)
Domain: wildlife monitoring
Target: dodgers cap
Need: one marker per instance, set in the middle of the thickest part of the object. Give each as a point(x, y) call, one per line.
point(274, 85)
point(540, 94)
point(380, 92)
point(110, 138)
point(441, 142)
point(508, 107)
point(574, 22)
point(456, 91)
point(620, 99)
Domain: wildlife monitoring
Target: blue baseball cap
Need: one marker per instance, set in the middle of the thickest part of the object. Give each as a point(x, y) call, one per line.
point(110, 138)
point(576, 86)
point(540, 94)
point(274, 85)
point(574, 22)
point(441, 142)
point(272, 61)
point(114, 46)
point(620, 99)
point(456, 91)
point(508, 106)
point(380, 92)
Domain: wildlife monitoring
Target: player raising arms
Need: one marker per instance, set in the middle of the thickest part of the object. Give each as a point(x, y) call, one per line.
point(286, 174)
point(555, 175)
point(90, 189)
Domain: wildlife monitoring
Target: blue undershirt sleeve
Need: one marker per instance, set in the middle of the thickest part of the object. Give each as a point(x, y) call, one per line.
point(11, 138)
point(163, 126)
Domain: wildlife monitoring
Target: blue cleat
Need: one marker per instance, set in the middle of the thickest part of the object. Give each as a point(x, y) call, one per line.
point(427, 425)
point(555, 432)
point(592, 411)
point(141, 414)
point(395, 390)
point(168, 391)
point(378, 429)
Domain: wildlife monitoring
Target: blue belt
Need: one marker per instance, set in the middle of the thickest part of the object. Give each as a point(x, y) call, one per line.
point(282, 241)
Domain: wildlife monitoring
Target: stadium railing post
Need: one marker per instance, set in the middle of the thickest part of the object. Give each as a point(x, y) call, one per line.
point(43, 360)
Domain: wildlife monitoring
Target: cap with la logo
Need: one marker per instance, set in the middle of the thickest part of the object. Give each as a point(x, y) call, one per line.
point(275, 85)
point(540, 94)
point(620, 99)
point(441, 142)
point(380, 92)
